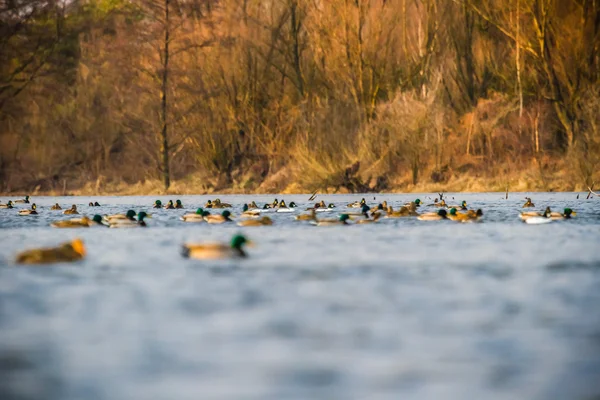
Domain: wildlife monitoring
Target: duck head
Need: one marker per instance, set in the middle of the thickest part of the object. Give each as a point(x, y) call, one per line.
point(130, 214)
point(344, 217)
point(34, 207)
point(463, 204)
point(245, 208)
point(452, 211)
point(91, 204)
point(141, 216)
point(158, 203)
point(199, 211)
point(178, 203)
point(282, 204)
point(226, 214)
point(363, 201)
point(364, 209)
point(321, 204)
point(568, 213)
point(97, 218)
point(96, 204)
point(293, 205)
point(331, 205)
point(417, 202)
point(443, 213)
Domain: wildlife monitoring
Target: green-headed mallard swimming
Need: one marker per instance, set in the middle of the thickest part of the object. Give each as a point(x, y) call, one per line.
point(7, 205)
point(463, 206)
point(72, 210)
point(342, 220)
point(157, 204)
point(129, 215)
point(524, 215)
point(568, 213)
point(417, 203)
point(264, 221)
point(170, 205)
point(375, 215)
point(56, 207)
point(219, 218)
point(208, 251)
point(456, 216)
point(307, 217)
point(31, 211)
point(178, 204)
point(25, 200)
point(129, 223)
point(528, 203)
point(358, 204)
point(433, 216)
point(66, 252)
point(84, 222)
point(198, 216)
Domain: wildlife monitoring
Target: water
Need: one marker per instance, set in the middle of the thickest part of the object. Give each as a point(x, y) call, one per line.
point(403, 309)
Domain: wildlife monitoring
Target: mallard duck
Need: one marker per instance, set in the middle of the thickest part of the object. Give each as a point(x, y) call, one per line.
point(219, 218)
point(404, 211)
point(433, 216)
point(31, 211)
point(170, 205)
point(222, 205)
point(66, 252)
point(417, 203)
point(524, 215)
point(247, 213)
point(307, 217)
point(375, 215)
point(256, 222)
point(25, 200)
point(84, 222)
point(380, 207)
point(528, 203)
point(178, 204)
point(157, 204)
point(129, 215)
point(208, 251)
point(475, 215)
point(72, 210)
point(538, 219)
point(364, 212)
point(56, 207)
point(463, 206)
point(568, 213)
point(342, 220)
point(456, 216)
point(198, 216)
point(358, 204)
point(129, 223)
point(441, 203)
point(7, 205)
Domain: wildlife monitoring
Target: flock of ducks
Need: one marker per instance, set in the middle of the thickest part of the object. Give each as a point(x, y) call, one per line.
point(254, 215)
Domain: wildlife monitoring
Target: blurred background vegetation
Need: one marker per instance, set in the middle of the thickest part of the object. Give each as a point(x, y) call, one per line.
point(142, 96)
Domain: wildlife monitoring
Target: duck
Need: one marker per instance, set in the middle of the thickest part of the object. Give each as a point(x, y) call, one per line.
point(433, 216)
point(528, 203)
point(342, 220)
point(84, 222)
point(9, 204)
point(375, 215)
point(539, 219)
point(475, 215)
point(441, 203)
point(218, 218)
point(292, 205)
point(66, 252)
point(129, 215)
point(56, 207)
point(71, 211)
point(463, 206)
point(264, 221)
point(404, 211)
point(198, 216)
point(358, 204)
point(31, 211)
point(380, 207)
point(222, 205)
point(211, 251)
point(178, 204)
point(250, 213)
point(90, 204)
point(567, 214)
point(364, 212)
point(417, 203)
point(307, 217)
point(524, 215)
point(170, 205)
point(252, 205)
point(157, 204)
point(129, 223)
point(456, 216)
point(282, 207)
point(94, 204)
point(23, 201)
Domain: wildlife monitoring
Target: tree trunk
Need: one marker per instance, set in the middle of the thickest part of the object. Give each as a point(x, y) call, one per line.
point(165, 76)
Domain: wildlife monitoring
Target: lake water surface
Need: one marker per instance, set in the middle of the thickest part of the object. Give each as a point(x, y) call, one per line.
point(403, 309)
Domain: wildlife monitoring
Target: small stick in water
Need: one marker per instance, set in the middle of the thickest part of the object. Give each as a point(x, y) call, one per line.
point(313, 196)
point(506, 197)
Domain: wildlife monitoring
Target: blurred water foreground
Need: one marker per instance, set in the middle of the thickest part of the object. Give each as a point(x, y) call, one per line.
point(399, 309)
